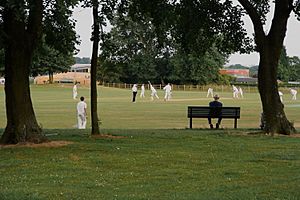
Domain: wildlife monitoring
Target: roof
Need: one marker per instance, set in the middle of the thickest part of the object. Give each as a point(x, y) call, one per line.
point(81, 66)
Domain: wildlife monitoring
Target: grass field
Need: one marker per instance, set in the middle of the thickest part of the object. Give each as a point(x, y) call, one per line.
point(154, 164)
point(55, 108)
point(150, 154)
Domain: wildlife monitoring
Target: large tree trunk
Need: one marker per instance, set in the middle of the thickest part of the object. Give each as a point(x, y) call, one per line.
point(269, 47)
point(94, 110)
point(20, 43)
point(273, 108)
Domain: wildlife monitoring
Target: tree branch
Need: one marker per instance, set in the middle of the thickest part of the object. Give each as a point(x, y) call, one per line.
point(256, 21)
point(278, 28)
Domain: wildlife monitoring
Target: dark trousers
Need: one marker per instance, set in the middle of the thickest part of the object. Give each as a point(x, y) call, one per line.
point(133, 96)
point(219, 120)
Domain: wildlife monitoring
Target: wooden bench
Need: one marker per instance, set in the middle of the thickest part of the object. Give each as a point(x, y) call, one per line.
point(204, 112)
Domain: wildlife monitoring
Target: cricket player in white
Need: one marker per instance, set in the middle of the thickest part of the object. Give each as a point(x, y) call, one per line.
point(153, 92)
point(210, 91)
point(241, 92)
point(81, 113)
point(167, 90)
point(293, 93)
point(235, 92)
point(75, 91)
point(280, 96)
point(142, 95)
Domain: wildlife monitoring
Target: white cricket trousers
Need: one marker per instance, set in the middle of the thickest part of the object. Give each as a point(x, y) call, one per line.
point(81, 121)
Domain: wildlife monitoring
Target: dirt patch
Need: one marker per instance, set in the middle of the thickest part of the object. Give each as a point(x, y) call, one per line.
point(103, 136)
point(295, 135)
point(51, 144)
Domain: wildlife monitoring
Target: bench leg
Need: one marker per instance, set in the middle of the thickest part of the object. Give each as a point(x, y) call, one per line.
point(235, 123)
point(191, 123)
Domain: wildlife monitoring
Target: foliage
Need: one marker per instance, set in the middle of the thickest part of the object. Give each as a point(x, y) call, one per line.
point(140, 53)
point(283, 66)
point(237, 66)
point(52, 56)
point(197, 70)
point(288, 67)
point(83, 60)
point(254, 71)
point(48, 61)
point(197, 25)
point(59, 27)
point(294, 65)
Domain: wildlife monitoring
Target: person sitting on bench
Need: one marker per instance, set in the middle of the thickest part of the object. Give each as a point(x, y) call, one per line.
point(215, 111)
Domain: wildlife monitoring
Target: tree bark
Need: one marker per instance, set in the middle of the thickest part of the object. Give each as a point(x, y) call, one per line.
point(269, 48)
point(20, 44)
point(96, 39)
point(273, 108)
point(50, 77)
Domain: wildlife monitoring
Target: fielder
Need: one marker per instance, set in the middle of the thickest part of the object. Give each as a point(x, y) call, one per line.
point(235, 92)
point(142, 95)
point(280, 96)
point(241, 92)
point(293, 93)
point(167, 90)
point(75, 91)
point(81, 113)
point(210, 91)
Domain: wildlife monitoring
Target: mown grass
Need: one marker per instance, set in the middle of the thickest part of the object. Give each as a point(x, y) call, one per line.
point(157, 158)
point(55, 108)
point(154, 164)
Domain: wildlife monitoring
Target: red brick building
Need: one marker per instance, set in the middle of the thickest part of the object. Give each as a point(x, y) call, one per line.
point(235, 72)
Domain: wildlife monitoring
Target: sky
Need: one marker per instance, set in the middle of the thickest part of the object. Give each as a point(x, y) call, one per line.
point(292, 40)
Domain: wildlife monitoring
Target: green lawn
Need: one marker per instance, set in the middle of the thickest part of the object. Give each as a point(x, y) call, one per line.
point(157, 158)
point(154, 164)
point(55, 108)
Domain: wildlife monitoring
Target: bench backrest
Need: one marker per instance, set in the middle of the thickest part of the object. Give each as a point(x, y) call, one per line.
point(204, 112)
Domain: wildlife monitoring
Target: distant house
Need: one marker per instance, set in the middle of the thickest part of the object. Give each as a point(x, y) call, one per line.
point(79, 73)
point(81, 68)
point(235, 72)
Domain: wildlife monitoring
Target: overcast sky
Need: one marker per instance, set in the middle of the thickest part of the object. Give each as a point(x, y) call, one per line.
point(292, 40)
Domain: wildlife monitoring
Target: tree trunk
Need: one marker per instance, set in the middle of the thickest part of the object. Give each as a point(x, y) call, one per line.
point(273, 108)
point(20, 43)
point(269, 47)
point(94, 110)
point(50, 77)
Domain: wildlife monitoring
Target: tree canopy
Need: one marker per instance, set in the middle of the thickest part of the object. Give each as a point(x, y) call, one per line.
point(140, 47)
